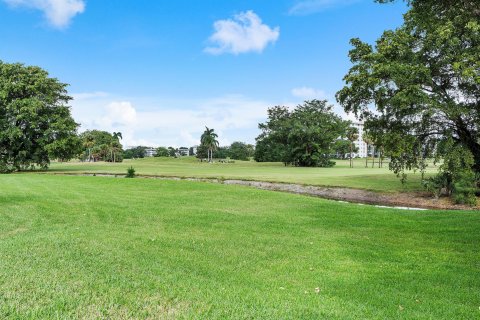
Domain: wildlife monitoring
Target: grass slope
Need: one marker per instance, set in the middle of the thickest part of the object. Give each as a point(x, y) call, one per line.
point(91, 247)
point(376, 179)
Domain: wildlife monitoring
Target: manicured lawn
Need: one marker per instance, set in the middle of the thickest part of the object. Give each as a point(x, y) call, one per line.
point(94, 247)
point(376, 179)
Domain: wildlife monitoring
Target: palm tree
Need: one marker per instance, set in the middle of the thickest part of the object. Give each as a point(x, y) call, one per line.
point(209, 140)
point(352, 135)
point(88, 144)
point(368, 140)
point(115, 145)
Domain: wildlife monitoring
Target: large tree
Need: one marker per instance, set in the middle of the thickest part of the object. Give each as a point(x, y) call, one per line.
point(306, 134)
point(420, 83)
point(35, 121)
point(239, 151)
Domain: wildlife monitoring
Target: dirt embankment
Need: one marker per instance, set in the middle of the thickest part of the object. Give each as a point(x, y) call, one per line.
point(400, 199)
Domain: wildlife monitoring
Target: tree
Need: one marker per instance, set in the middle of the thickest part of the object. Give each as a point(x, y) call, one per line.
point(342, 147)
point(202, 152)
point(352, 136)
point(423, 80)
point(136, 152)
point(101, 146)
point(307, 133)
point(162, 152)
point(88, 143)
point(368, 141)
point(35, 121)
point(239, 151)
point(209, 140)
point(115, 145)
point(268, 150)
point(172, 152)
point(222, 152)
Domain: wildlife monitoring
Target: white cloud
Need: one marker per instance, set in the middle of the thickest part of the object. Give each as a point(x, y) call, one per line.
point(89, 95)
point(244, 33)
point(307, 93)
point(306, 7)
point(234, 117)
point(58, 12)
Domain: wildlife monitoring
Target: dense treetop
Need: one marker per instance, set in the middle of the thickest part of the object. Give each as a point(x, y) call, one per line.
point(35, 121)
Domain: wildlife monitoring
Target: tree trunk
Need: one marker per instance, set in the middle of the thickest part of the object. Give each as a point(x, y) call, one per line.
point(467, 139)
point(366, 158)
point(373, 156)
point(379, 157)
point(351, 150)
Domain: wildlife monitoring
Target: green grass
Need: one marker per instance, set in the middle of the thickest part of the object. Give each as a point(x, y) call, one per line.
point(93, 247)
point(375, 179)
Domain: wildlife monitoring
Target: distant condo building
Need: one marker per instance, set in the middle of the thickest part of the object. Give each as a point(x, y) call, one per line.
point(359, 143)
point(150, 152)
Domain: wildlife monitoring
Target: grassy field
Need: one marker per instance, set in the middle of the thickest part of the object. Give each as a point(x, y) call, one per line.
point(95, 247)
point(375, 179)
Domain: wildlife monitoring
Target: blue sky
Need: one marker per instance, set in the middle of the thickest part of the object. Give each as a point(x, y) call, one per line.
point(159, 71)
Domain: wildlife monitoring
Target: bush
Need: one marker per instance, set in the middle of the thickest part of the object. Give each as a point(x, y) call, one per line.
point(464, 188)
point(435, 184)
point(455, 175)
point(130, 172)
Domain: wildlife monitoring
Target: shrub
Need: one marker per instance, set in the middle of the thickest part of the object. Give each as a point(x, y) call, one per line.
point(455, 176)
point(130, 172)
point(464, 188)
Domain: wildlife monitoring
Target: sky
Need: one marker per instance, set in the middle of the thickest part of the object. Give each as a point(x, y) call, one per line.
point(160, 71)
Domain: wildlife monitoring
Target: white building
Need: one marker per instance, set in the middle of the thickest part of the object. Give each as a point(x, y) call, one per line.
point(359, 143)
point(150, 152)
point(183, 151)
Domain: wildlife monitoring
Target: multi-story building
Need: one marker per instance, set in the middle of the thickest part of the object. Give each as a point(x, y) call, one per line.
point(359, 143)
point(150, 152)
point(183, 151)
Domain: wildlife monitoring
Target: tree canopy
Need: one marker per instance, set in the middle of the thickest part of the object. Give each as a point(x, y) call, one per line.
point(420, 84)
point(101, 146)
point(423, 80)
point(304, 136)
point(209, 141)
point(35, 121)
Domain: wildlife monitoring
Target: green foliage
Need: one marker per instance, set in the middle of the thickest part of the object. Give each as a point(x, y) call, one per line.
point(239, 151)
point(130, 172)
point(35, 121)
point(172, 152)
point(424, 81)
point(135, 152)
point(465, 187)
point(303, 137)
point(267, 150)
point(455, 175)
point(162, 152)
point(202, 152)
point(341, 148)
point(221, 153)
point(101, 146)
point(209, 141)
